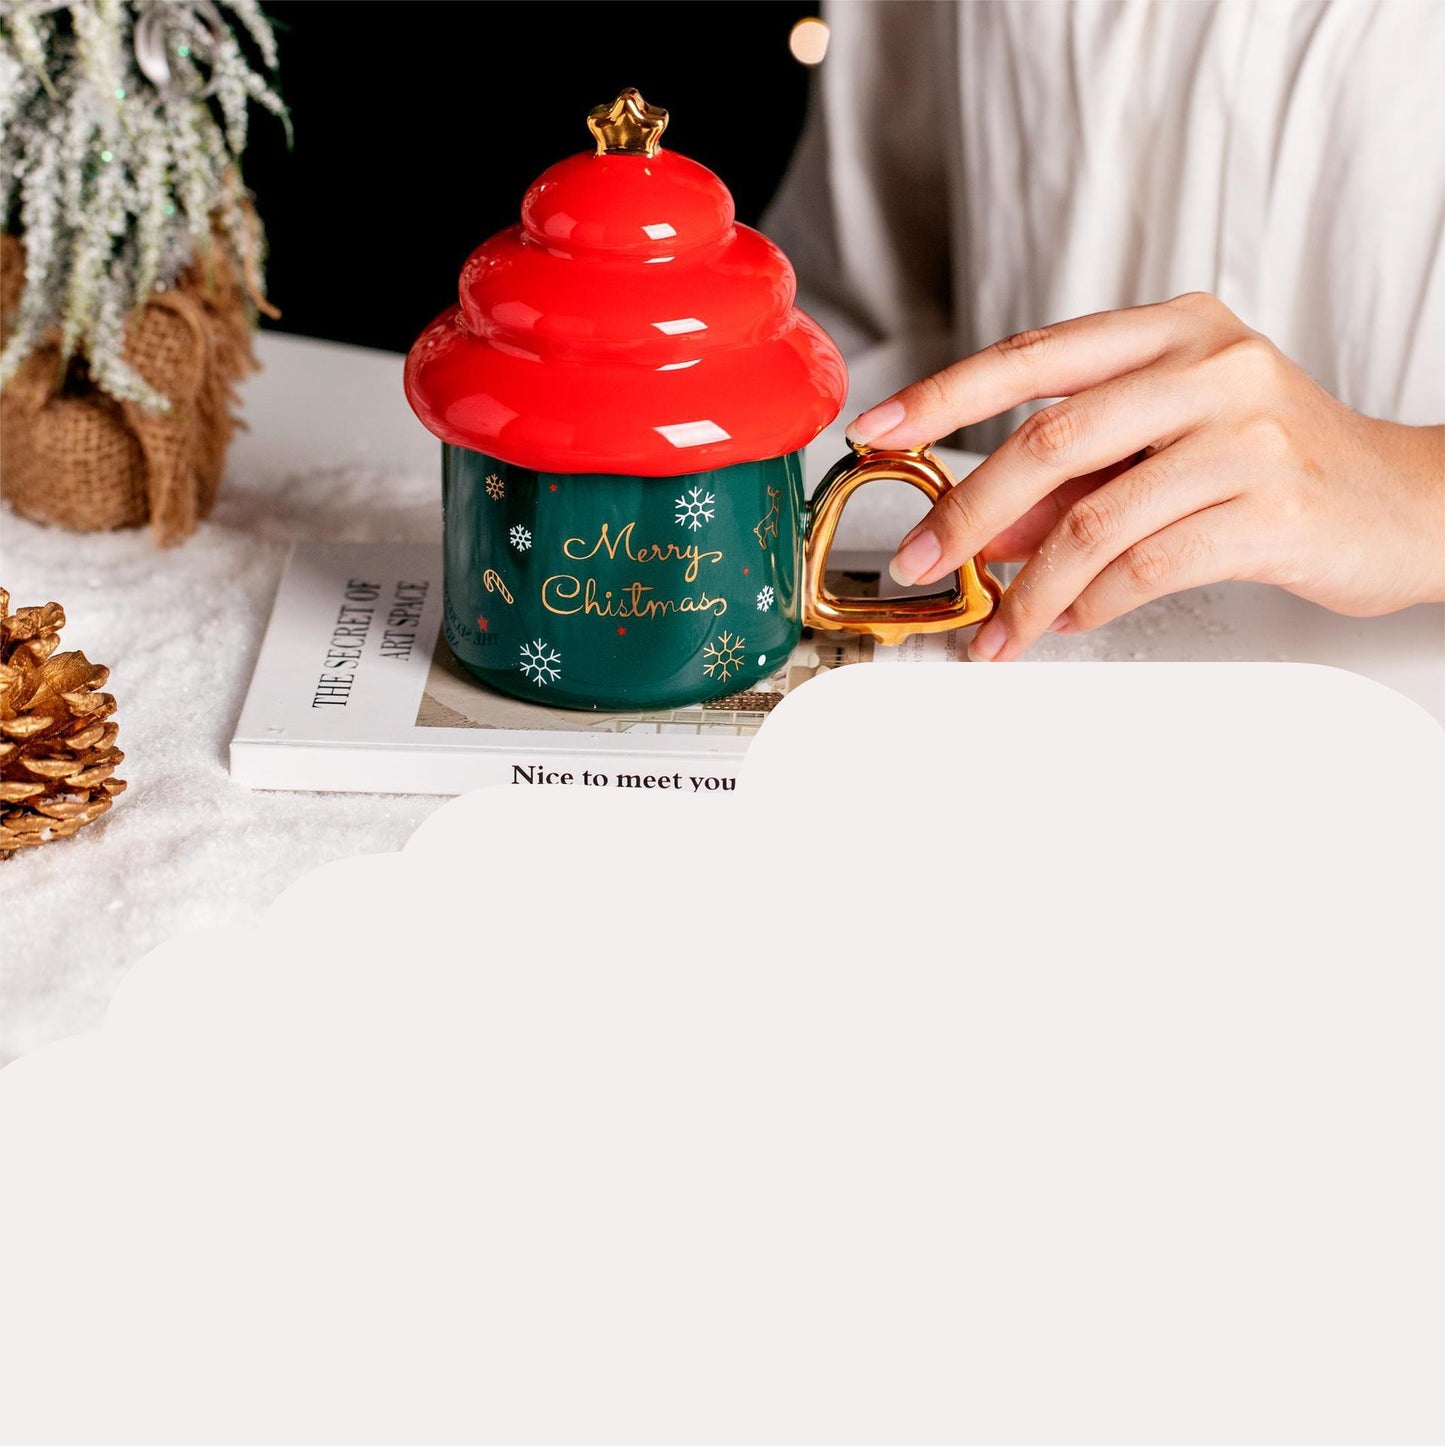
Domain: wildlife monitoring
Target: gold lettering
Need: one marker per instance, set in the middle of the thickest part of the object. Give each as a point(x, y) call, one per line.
point(603, 543)
point(632, 602)
point(693, 556)
point(561, 593)
point(671, 552)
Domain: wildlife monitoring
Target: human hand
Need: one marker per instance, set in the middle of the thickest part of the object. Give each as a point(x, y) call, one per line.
point(1186, 449)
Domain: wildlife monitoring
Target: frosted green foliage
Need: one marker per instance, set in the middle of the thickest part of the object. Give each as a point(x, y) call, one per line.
point(117, 177)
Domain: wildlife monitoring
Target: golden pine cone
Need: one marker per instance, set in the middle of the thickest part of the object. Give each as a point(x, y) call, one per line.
point(57, 751)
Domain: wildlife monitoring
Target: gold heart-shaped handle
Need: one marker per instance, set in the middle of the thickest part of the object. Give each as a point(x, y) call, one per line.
point(889, 620)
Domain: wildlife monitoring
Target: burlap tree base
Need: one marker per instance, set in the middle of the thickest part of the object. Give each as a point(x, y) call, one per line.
point(84, 461)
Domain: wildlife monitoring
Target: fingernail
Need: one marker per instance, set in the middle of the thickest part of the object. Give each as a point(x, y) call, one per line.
point(916, 554)
point(987, 642)
point(875, 422)
point(1061, 624)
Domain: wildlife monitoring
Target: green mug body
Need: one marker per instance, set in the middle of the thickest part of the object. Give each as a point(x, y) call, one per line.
point(598, 591)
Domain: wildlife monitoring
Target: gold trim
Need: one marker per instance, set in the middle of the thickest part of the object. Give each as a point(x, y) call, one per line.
point(888, 620)
point(629, 126)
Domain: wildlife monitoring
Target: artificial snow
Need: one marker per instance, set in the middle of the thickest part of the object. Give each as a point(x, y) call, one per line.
point(184, 847)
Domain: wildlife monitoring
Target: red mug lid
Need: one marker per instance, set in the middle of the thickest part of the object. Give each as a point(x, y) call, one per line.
point(627, 324)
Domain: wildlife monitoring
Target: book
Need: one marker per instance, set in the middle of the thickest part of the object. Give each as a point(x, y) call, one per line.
point(355, 690)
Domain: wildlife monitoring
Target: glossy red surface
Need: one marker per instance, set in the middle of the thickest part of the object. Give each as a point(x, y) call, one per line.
point(628, 325)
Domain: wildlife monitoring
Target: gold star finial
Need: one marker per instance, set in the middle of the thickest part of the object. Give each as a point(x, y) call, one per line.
point(628, 125)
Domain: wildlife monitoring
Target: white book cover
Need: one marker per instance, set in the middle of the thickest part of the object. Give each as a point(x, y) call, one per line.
point(355, 690)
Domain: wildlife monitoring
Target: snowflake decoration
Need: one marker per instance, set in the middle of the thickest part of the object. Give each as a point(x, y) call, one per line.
point(694, 508)
point(726, 656)
point(765, 600)
point(495, 487)
point(520, 538)
point(540, 663)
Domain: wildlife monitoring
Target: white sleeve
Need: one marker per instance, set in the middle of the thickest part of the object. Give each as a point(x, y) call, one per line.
point(863, 211)
point(967, 171)
point(1352, 271)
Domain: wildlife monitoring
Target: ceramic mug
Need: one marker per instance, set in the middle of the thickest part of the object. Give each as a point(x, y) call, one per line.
point(605, 591)
point(616, 364)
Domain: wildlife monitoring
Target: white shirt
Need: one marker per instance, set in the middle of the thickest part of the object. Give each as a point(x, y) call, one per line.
point(972, 170)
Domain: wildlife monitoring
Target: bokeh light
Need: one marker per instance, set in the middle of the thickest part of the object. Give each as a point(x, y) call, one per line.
point(809, 41)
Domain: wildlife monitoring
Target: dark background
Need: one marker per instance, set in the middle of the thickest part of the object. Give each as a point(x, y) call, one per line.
point(419, 124)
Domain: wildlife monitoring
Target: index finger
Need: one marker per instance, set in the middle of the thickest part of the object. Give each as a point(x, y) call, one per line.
point(1052, 361)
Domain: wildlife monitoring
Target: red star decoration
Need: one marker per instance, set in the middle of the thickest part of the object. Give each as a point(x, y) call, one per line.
point(482, 624)
point(746, 571)
point(621, 632)
point(552, 487)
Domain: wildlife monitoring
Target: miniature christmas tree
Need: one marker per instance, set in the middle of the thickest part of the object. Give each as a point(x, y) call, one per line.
point(122, 127)
point(130, 253)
